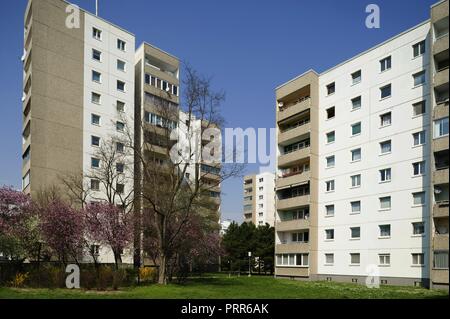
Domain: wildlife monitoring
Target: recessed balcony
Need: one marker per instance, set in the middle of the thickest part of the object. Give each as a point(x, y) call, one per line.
point(440, 209)
point(294, 224)
point(287, 110)
point(440, 111)
point(292, 248)
point(293, 179)
point(287, 136)
point(440, 242)
point(293, 202)
point(440, 176)
point(440, 144)
point(441, 77)
point(293, 157)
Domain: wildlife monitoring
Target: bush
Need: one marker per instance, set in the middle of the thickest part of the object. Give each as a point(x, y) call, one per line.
point(105, 278)
point(148, 274)
point(19, 280)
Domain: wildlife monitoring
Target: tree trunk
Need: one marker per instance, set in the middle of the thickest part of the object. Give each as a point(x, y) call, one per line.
point(162, 280)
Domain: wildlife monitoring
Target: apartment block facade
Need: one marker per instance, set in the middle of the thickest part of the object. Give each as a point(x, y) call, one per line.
point(259, 199)
point(378, 180)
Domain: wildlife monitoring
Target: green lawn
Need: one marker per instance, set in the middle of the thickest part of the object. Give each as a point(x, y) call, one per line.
point(235, 287)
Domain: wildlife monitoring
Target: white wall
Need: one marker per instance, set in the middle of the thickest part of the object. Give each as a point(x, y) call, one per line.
point(402, 243)
point(268, 200)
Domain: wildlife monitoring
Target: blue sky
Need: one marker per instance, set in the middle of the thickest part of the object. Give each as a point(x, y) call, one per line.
point(248, 47)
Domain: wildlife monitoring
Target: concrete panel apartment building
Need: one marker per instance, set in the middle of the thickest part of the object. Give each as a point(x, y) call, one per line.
point(362, 175)
point(85, 84)
point(259, 199)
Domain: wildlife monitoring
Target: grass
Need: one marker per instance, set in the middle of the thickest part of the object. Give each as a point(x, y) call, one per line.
point(217, 287)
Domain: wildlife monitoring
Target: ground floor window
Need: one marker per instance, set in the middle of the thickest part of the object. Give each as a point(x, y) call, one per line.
point(440, 259)
point(292, 259)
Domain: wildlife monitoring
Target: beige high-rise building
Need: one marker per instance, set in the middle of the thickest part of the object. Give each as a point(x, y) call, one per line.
point(439, 168)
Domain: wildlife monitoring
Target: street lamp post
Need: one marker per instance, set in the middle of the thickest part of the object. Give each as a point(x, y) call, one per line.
point(249, 264)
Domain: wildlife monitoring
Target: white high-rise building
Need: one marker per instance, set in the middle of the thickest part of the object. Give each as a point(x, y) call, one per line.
point(259, 199)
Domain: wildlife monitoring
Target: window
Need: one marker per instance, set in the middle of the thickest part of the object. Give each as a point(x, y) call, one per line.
point(120, 65)
point(356, 77)
point(419, 49)
point(261, 196)
point(329, 210)
point(356, 207)
point(419, 138)
point(356, 128)
point(385, 64)
point(329, 234)
point(95, 98)
point(330, 185)
point(26, 180)
point(95, 184)
point(331, 112)
point(120, 188)
point(95, 140)
point(96, 76)
point(261, 180)
point(120, 167)
point(329, 259)
point(292, 260)
point(419, 198)
point(95, 119)
point(330, 161)
point(419, 108)
point(261, 205)
point(121, 44)
point(440, 260)
point(330, 137)
point(419, 168)
point(120, 106)
point(95, 250)
point(120, 86)
point(385, 175)
point(300, 237)
point(331, 88)
point(418, 259)
point(120, 126)
point(261, 188)
point(96, 33)
point(419, 78)
point(355, 232)
point(385, 147)
point(385, 203)
point(95, 162)
point(385, 230)
point(385, 91)
point(386, 119)
point(355, 259)
point(175, 90)
point(385, 259)
point(356, 180)
point(96, 55)
point(356, 154)
point(418, 228)
point(440, 127)
point(120, 147)
point(356, 103)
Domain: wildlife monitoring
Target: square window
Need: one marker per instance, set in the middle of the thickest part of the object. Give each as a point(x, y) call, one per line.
point(385, 91)
point(355, 259)
point(96, 76)
point(96, 55)
point(356, 180)
point(419, 168)
point(120, 86)
point(330, 161)
point(356, 154)
point(385, 259)
point(418, 259)
point(331, 112)
point(329, 210)
point(95, 162)
point(120, 188)
point(419, 138)
point(386, 147)
point(419, 198)
point(120, 106)
point(120, 167)
point(95, 119)
point(330, 185)
point(385, 64)
point(96, 33)
point(120, 126)
point(386, 119)
point(419, 108)
point(329, 259)
point(95, 184)
point(95, 98)
point(331, 137)
point(419, 49)
point(121, 45)
point(355, 232)
point(356, 103)
point(418, 228)
point(356, 207)
point(419, 78)
point(95, 140)
point(385, 202)
point(329, 234)
point(331, 88)
point(356, 77)
point(385, 230)
point(440, 127)
point(120, 147)
point(120, 65)
point(385, 175)
point(356, 128)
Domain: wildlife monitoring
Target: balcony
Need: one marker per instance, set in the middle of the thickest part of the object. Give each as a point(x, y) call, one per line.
point(441, 44)
point(287, 180)
point(293, 202)
point(440, 144)
point(294, 108)
point(292, 271)
point(440, 176)
point(439, 276)
point(285, 137)
point(294, 224)
point(441, 77)
point(292, 248)
point(440, 242)
point(440, 111)
point(440, 209)
point(290, 158)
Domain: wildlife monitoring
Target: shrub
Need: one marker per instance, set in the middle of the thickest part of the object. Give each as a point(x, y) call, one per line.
point(105, 278)
point(19, 280)
point(147, 274)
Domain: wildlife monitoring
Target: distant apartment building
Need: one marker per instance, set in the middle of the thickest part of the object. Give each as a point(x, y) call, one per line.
point(362, 178)
point(259, 199)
